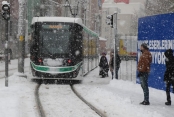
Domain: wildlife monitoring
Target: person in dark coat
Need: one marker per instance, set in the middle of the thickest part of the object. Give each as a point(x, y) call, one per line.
point(111, 64)
point(104, 67)
point(169, 74)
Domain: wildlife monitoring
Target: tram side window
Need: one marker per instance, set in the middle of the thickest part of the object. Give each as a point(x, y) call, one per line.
point(85, 44)
point(93, 46)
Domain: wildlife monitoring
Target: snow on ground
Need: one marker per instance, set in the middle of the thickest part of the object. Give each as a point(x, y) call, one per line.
point(17, 100)
point(14, 64)
point(12, 67)
point(118, 98)
point(127, 70)
point(60, 101)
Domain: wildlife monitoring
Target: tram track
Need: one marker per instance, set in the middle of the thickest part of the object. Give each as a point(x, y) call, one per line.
point(38, 102)
point(74, 91)
point(101, 114)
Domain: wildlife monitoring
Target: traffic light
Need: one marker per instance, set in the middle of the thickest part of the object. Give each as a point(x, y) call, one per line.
point(109, 20)
point(6, 10)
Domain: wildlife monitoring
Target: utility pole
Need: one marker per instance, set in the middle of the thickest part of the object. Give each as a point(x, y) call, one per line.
point(6, 16)
point(113, 23)
point(21, 35)
point(115, 19)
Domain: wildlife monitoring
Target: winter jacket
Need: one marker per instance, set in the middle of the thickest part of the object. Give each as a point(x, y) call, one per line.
point(104, 63)
point(111, 64)
point(145, 62)
point(169, 73)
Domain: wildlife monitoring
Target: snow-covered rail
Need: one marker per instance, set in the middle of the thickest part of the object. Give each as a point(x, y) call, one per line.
point(62, 100)
point(38, 102)
point(87, 103)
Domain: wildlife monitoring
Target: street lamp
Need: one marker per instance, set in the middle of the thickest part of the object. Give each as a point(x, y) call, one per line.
point(74, 9)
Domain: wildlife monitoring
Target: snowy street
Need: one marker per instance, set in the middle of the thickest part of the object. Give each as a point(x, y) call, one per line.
point(115, 98)
point(86, 58)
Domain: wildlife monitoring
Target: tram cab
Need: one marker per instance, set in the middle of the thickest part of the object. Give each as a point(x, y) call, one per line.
point(56, 50)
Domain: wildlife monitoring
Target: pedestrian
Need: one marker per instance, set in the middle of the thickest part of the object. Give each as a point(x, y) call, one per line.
point(143, 71)
point(111, 64)
point(104, 67)
point(169, 74)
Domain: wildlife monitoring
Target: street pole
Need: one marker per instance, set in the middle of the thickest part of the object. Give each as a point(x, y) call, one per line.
point(115, 18)
point(21, 34)
point(6, 53)
point(6, 16)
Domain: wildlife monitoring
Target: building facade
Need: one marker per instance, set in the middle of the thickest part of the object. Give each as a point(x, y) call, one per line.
point(126, 18)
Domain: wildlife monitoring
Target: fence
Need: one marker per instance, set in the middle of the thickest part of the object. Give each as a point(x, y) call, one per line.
point(128, 54)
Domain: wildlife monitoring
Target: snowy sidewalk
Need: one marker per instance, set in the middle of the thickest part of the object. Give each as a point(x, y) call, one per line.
point(13, 65)
point(119, 98)
point(18, 99)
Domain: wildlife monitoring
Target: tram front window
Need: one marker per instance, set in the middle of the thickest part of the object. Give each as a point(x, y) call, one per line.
point(55, 42)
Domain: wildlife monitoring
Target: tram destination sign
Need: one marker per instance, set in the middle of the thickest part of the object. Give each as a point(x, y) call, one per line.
point(46, 26)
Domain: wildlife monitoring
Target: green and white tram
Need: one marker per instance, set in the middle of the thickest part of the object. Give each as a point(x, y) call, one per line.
point(62, 48)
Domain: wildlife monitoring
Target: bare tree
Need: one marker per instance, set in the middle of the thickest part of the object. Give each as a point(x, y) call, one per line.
point(154, 7)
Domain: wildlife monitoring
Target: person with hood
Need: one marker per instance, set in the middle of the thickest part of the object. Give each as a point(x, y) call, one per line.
point(169, 74)
point(104, 67)
point(143, 71)
point(111, 64)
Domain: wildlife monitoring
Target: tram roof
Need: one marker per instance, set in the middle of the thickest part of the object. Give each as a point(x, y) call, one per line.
point(63, 19)
point(57, 19)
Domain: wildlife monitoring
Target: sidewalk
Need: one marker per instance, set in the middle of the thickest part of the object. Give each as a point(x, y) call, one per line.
point(13, 65)
point(119, 98)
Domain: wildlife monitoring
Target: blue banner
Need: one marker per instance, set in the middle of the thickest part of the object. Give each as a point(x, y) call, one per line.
point(158, 32)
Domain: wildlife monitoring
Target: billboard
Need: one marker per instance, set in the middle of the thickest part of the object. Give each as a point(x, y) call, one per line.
point(158, 32)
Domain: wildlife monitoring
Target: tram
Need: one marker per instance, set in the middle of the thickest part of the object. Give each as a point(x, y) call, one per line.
point(62, 48)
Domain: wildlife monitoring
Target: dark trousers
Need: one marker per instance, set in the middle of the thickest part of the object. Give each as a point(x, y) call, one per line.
point(116, 75)
point(144, 85)
point(168, 87)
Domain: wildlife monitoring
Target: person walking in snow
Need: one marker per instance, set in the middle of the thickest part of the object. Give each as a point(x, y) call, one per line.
point(104, 67)
point(143, 71)
point(111, 64)
point(169, 74)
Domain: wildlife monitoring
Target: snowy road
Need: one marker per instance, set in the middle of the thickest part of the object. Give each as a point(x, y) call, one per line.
point(60, 101)
point(115, 98)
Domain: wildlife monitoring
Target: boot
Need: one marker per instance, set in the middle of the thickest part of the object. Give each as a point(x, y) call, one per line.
point(168, 103)
point(145, 103)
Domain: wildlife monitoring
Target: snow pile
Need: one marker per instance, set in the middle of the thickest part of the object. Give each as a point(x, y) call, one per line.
point(17, 100)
